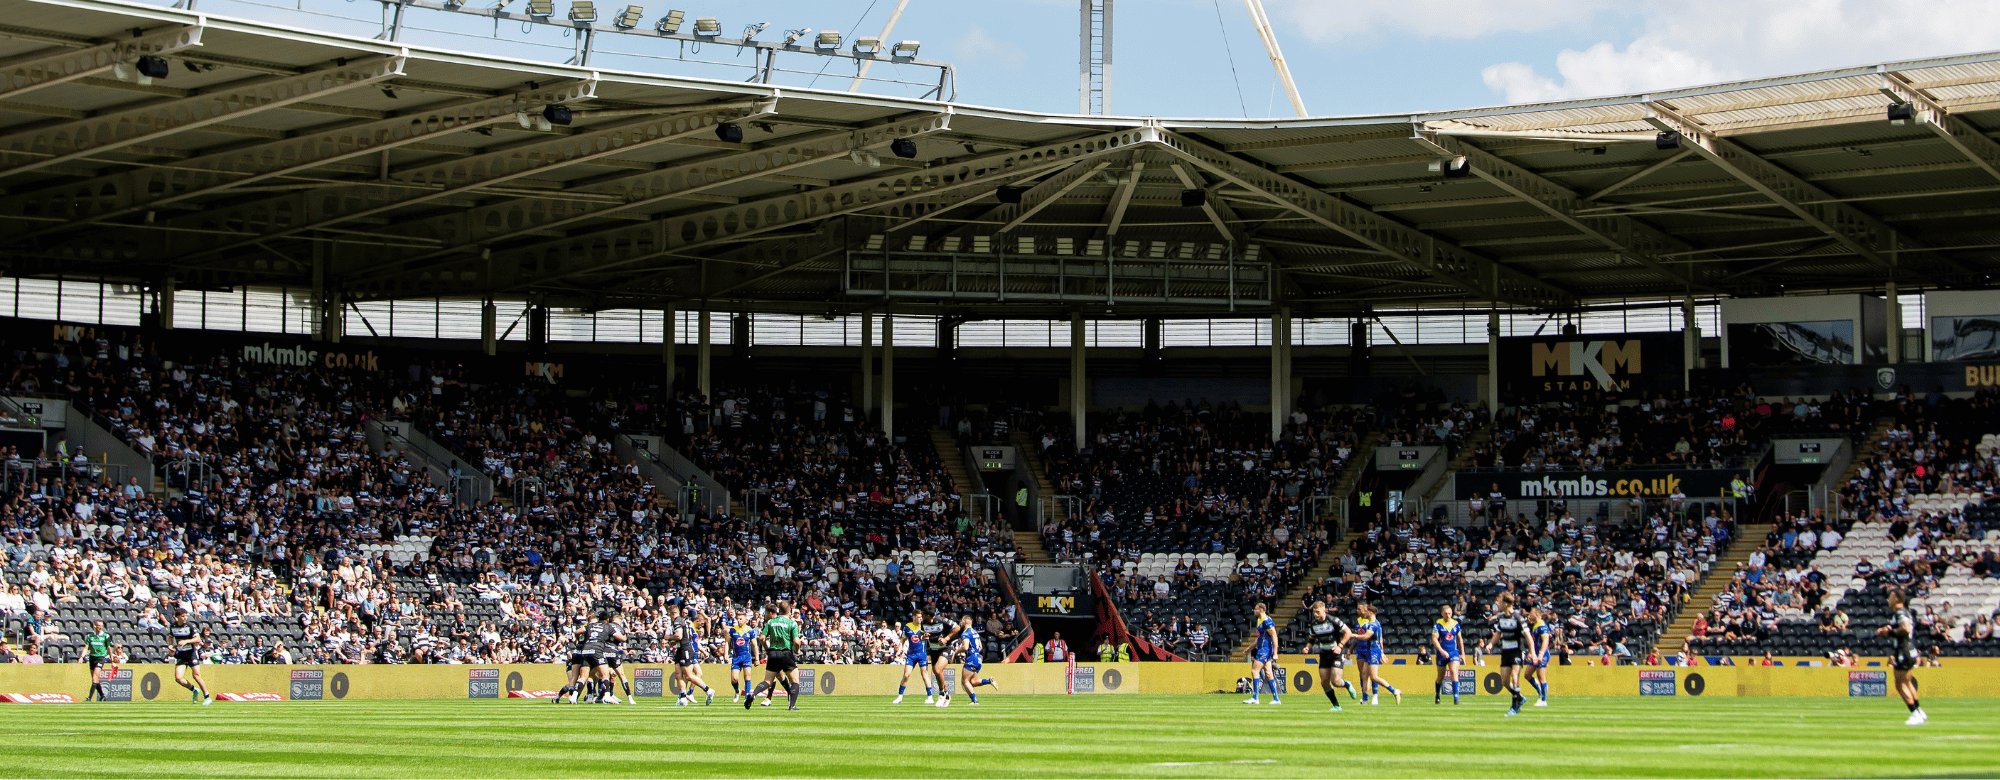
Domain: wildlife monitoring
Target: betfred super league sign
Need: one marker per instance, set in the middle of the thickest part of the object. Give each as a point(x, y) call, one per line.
point(1536, 368)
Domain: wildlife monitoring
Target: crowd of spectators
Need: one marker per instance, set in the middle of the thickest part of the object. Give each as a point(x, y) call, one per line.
point(282, 516)
point(1712, 429)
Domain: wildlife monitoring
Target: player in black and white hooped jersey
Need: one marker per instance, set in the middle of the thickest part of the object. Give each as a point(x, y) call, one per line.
point(1510, 630)
point(1903, 628)
point(686, 637)
point(187, 642)
point(1330, 635)
point(613, 661)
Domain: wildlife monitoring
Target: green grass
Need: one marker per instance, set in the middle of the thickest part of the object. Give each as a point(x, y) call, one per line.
point(1007, 736)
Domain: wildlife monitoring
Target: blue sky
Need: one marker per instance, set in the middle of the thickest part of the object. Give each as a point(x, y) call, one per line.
point(1173, 57)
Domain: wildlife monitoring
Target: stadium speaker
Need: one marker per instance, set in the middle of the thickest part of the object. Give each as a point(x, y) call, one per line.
point(1899, 113)
point(1009, 194)
point(152, 67)
point(904, 148)
point(557, 115)
point(729, 133)
point(1194, 199)
point(1667, 140)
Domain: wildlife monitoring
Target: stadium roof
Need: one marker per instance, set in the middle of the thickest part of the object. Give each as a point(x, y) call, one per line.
point(274, 156)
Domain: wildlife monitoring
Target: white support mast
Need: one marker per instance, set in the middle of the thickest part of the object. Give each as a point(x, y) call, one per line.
point(886, 29)
point(1277, 57)
point(1093, 88)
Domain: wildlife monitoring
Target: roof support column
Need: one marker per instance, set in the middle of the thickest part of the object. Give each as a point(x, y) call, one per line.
point(1690, 343)
point(867, 409)
point(164, 304)
point(489, 328)
point(1895, 323)
point(1281, 371)
point(1492, 365)
point(702, 344)
point(667, 346)
point(1078, 384)
point(889, 377)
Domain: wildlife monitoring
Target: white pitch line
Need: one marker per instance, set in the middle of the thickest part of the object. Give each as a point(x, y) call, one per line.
point(1213, 763)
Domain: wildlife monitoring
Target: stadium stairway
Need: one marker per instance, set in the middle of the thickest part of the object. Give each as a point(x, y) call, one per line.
point(1479, 438)
point(954, 460)
point(1027, 544)
point(1293, 602)
point(1031, 454)
point(1748, 539)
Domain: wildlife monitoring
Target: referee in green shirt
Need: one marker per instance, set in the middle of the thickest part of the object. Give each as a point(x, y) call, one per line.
point(781, 640)
point(98, 652)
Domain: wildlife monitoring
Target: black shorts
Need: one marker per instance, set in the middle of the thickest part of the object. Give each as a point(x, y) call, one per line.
point(1329, 659)
point(1904, 662)
point(614, 661)
point(187, 657)
point(1510, 657)
point(584, 660)
point(98, 661)
point(686, 657)
point(780, 661)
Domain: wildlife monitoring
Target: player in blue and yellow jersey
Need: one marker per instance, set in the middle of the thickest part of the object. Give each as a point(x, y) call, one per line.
point(1541, 644)
point(1263, 657)
point(1445, 635)
point(972, 648)
point(1368, 656)
point(742, 658)
point(915, 657)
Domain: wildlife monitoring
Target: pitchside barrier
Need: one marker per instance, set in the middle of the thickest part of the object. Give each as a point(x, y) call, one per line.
point(154, 682)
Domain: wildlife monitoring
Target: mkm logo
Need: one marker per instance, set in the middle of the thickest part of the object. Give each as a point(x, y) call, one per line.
point(1061, 605)
point(547, 372)
point(1596, 359)
point(74, 333)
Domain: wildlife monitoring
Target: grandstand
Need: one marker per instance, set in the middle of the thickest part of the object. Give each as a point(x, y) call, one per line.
point(362, 350)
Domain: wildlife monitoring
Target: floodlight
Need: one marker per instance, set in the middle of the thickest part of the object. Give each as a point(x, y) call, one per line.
point(708, 26)
point(828, 39)
point(873, 45)
point(1009, 194)
point(1452, 167)
point(556, 114)
point(751, 30)
point(583, 11)
point(905, 49)
point(729, 133)
point(1194, 199)
point(630, 18)
point(153, 67)
point(866, 158)
point(1667, 140)
point(671, 23)
point(792, 36)
point(1899, 114)
point(542, 8)
point(904, 148)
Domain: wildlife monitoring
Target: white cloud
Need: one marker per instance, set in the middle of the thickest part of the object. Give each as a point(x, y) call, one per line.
point(978, 47)
point(1701, 41)
point(1646, 64)
point(1324, 21)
